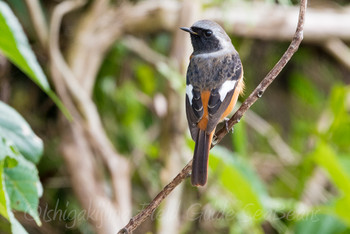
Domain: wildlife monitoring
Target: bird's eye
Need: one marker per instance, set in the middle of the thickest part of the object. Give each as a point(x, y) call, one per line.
point(208, 33)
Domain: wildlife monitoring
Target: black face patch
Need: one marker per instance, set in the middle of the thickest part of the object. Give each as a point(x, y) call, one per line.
point(204, 42)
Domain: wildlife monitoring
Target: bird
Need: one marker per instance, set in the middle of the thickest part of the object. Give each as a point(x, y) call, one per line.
point(214, 80)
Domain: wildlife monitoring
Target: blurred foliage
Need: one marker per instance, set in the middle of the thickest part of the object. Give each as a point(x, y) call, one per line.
point(20, 184)
point(14, 45)
point(249, 190)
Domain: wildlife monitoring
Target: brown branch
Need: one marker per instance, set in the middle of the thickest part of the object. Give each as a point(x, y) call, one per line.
point(145, 213)
point(39, 22)
point(253, 97)
point(270, 22)
point(5, 88)
point(85, 137)
point(270, 77)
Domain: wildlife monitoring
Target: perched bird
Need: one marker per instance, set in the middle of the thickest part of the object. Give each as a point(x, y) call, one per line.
point(213, 83)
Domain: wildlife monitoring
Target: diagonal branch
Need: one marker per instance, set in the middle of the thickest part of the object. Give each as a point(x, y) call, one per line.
point(145, 213)
point(253, 97)
point(270, 77)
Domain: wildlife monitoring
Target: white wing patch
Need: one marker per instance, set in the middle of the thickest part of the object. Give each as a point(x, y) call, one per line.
point(226, 87)
point(189, 93)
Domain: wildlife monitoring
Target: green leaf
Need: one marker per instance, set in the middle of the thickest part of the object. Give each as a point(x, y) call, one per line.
point(20, 184)
point(320, 224)
point(326, 157)
point(241, 181)
point(8, 153)
point(16, 227)
point(15, 46)
point(337, 99)
point(10, 162)
point(15, 129)
point(23, 187)
point(7, 158)
point(339, 130)
point(146, 78)
point(5, 208)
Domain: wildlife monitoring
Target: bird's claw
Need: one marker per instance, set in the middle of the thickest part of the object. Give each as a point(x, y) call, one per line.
point(214, 141)
point(226, 125)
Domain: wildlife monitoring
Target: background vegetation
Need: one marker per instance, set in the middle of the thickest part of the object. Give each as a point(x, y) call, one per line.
point(121, 78)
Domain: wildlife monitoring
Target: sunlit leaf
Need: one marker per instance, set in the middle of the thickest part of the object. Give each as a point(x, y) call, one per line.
point(5, 204)
point(20, 184)
point(23, 187)
point(15, 46)
point(326, 158)
point(7, 159)
point(338, 207)
point(339, 130)
point(320, 224)
point(15, 129)
point(16, 227)
point(337, 99)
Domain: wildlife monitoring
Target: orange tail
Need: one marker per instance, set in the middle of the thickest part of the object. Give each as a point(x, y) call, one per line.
point(200, 159)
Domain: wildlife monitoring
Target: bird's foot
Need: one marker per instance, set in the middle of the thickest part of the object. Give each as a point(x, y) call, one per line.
point(214, 141)
point(226, 125)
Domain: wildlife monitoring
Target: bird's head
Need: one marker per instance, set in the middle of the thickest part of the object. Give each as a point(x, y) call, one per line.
point(208, 36)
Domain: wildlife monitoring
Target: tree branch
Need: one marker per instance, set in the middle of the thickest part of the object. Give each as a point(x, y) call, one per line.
point(270, 77)
point(39, 21)
point(253, 97)
point(339, 50)
point(145, 213)
point(90, 132)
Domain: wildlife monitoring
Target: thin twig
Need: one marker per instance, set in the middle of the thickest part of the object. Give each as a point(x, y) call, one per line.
point(253, 97)
point(145, 213)
point(270, 77)
point(39, 22)
point(286, 154)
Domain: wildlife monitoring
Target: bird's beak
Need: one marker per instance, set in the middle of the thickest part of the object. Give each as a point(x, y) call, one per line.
point(189, 30)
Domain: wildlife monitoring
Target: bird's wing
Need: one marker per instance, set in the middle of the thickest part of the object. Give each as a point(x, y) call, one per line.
point(219, 81)
point(221, 96)
point(194, 109)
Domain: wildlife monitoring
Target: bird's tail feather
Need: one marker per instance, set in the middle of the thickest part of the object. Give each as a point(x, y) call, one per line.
point(200, 159)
